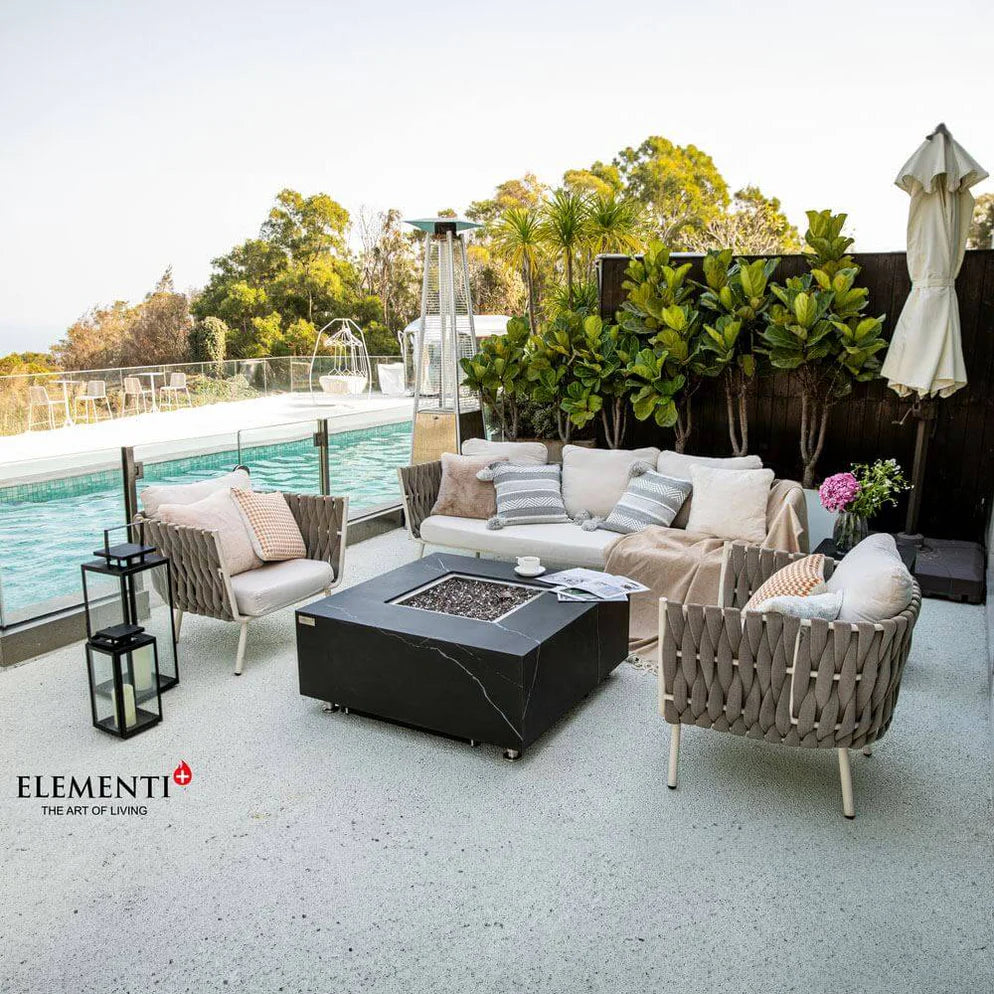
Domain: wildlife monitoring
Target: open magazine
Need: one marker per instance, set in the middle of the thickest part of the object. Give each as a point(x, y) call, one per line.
point(580, 584)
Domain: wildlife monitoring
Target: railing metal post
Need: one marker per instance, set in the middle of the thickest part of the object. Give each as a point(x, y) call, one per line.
point(131, 473)
point(324, 460)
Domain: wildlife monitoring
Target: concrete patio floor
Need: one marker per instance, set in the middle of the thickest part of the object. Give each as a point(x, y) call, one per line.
point(325, 852)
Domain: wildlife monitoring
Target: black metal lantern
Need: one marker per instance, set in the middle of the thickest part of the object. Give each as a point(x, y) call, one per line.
point(123, 667)
point(121, 587)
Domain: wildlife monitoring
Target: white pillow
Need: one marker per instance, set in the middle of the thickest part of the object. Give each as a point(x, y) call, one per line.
point(730, 503)
point(519, 453)
point(217, 513)
point(595, 479)
point(824, 607)
point(678, 464)
point(153, 497)
point(874, 582)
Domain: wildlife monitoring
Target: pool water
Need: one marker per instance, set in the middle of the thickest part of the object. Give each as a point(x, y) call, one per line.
point(48, 528)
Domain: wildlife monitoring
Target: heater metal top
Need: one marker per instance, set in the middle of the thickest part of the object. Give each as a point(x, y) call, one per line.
point(441, 225)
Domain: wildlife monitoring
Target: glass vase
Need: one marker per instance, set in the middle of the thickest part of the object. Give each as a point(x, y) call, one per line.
point(850, 530)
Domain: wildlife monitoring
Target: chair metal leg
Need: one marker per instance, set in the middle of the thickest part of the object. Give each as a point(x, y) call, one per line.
point(422, 552)
point(177, 621)
point(674, 756)
point(868, 750)
point(845, 776)
point(240, 658)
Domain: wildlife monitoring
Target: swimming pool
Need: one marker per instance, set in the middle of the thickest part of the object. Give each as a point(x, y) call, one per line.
point(48, 528)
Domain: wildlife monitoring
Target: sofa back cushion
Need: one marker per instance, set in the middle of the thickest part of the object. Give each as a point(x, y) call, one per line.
point(153, 497)
point(595, 479)
point(523, 453)
point(461, 493)
point(730, 503)
point(874, 581)
point(526, 495)
point(678, 464)
point(272, 527)
point(217, 512)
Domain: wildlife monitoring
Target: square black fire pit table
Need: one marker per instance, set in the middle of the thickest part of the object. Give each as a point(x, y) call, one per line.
point(385, 648)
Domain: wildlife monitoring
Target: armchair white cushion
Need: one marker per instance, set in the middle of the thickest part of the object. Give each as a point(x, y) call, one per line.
point(874, 582)
point(278, 585)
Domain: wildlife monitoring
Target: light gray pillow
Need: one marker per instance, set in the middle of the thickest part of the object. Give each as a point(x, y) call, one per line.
point(678, 465)
point(526, 495)
point(730, 503)
point(824, 607)
point(874, 582)
point(154, 496)
point(650, 499)
point(517, 452)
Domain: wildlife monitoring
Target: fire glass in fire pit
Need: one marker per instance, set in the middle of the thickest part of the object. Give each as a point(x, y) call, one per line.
point(468, 597)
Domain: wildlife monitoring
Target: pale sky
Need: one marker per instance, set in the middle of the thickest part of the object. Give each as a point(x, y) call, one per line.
point(136, 135)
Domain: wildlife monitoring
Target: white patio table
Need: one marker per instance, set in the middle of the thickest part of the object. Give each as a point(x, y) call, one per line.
point(66, 384)
point(151, 386)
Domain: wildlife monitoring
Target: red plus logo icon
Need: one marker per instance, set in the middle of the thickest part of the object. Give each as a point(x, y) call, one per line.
point(182, 774)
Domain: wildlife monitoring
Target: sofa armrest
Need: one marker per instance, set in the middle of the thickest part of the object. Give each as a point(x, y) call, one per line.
point(200, 585)
point(323, 522)
point(419, 485)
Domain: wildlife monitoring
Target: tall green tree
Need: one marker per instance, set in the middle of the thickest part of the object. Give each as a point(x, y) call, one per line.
point(753, 225)
point(679, 185)
point(981, 235)
point(525, 192)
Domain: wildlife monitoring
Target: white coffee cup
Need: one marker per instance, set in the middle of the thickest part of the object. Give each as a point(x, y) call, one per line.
point(529, 564)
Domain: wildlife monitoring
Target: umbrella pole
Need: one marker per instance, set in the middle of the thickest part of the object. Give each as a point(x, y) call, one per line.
point(924, 412)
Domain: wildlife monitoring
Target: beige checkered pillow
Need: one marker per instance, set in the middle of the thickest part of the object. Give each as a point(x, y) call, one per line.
point(272, 528)
point(801, 578)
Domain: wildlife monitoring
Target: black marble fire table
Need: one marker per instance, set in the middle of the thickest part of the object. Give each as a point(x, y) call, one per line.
point(504, 681)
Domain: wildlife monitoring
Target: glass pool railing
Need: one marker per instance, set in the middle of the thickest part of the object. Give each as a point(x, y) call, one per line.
point(52, 521)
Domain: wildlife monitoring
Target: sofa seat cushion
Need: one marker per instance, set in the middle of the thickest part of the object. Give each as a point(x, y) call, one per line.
point(565, 543)
point(278, 585)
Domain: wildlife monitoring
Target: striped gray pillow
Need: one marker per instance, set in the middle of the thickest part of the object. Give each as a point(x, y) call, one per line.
point(650, 499)
point(526, 495)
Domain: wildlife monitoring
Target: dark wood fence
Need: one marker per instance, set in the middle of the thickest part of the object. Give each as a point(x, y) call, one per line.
point(873, 421)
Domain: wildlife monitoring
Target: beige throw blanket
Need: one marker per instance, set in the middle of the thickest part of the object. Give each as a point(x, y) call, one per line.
point(686, 567)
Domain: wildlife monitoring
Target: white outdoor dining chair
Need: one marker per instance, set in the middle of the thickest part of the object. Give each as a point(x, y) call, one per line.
point(38, 398)
point(94, 393)
point(169, 392)
point(136, 392)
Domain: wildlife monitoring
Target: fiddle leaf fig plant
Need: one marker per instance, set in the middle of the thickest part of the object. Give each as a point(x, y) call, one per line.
point(738, 294)
point(656, 390)
point(652, 285)
point(817, 329)
point(550, 369)
point(497, 373)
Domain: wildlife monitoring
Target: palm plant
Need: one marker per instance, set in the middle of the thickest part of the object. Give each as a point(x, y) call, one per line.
point(564, 228)
point(519, 238)
point(614, 225)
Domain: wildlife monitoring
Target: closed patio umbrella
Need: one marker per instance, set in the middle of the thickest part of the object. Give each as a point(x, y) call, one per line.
point(925, 358)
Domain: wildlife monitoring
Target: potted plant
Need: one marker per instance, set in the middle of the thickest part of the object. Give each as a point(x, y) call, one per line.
point(549, 367)
point(738, 294)
point(856, 496)
point(497, 373)
point(816, 329)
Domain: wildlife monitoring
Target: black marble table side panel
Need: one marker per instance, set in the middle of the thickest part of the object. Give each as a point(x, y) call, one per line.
point(438, 686)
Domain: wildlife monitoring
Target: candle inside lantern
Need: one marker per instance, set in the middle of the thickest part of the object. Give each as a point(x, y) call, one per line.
point(141, 661)
point(130, 712)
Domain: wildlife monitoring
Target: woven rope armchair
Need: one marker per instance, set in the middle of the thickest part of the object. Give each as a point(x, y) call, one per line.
point(419, 484)
point(813, 684)
point(201, 584)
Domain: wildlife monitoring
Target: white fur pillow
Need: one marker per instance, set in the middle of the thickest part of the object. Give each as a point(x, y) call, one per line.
point(730, 503)
point(874, 581)
point(824, 607)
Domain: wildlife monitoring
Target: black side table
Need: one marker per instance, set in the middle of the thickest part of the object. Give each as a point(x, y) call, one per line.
point(906, 550)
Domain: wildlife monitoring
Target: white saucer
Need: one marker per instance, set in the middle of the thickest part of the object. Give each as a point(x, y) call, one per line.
point(529, 572)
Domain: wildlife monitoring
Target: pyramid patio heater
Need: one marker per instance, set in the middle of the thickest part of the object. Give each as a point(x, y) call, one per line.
point(446, 412)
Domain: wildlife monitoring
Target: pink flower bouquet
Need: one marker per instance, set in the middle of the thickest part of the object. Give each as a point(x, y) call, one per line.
point(839, 491)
